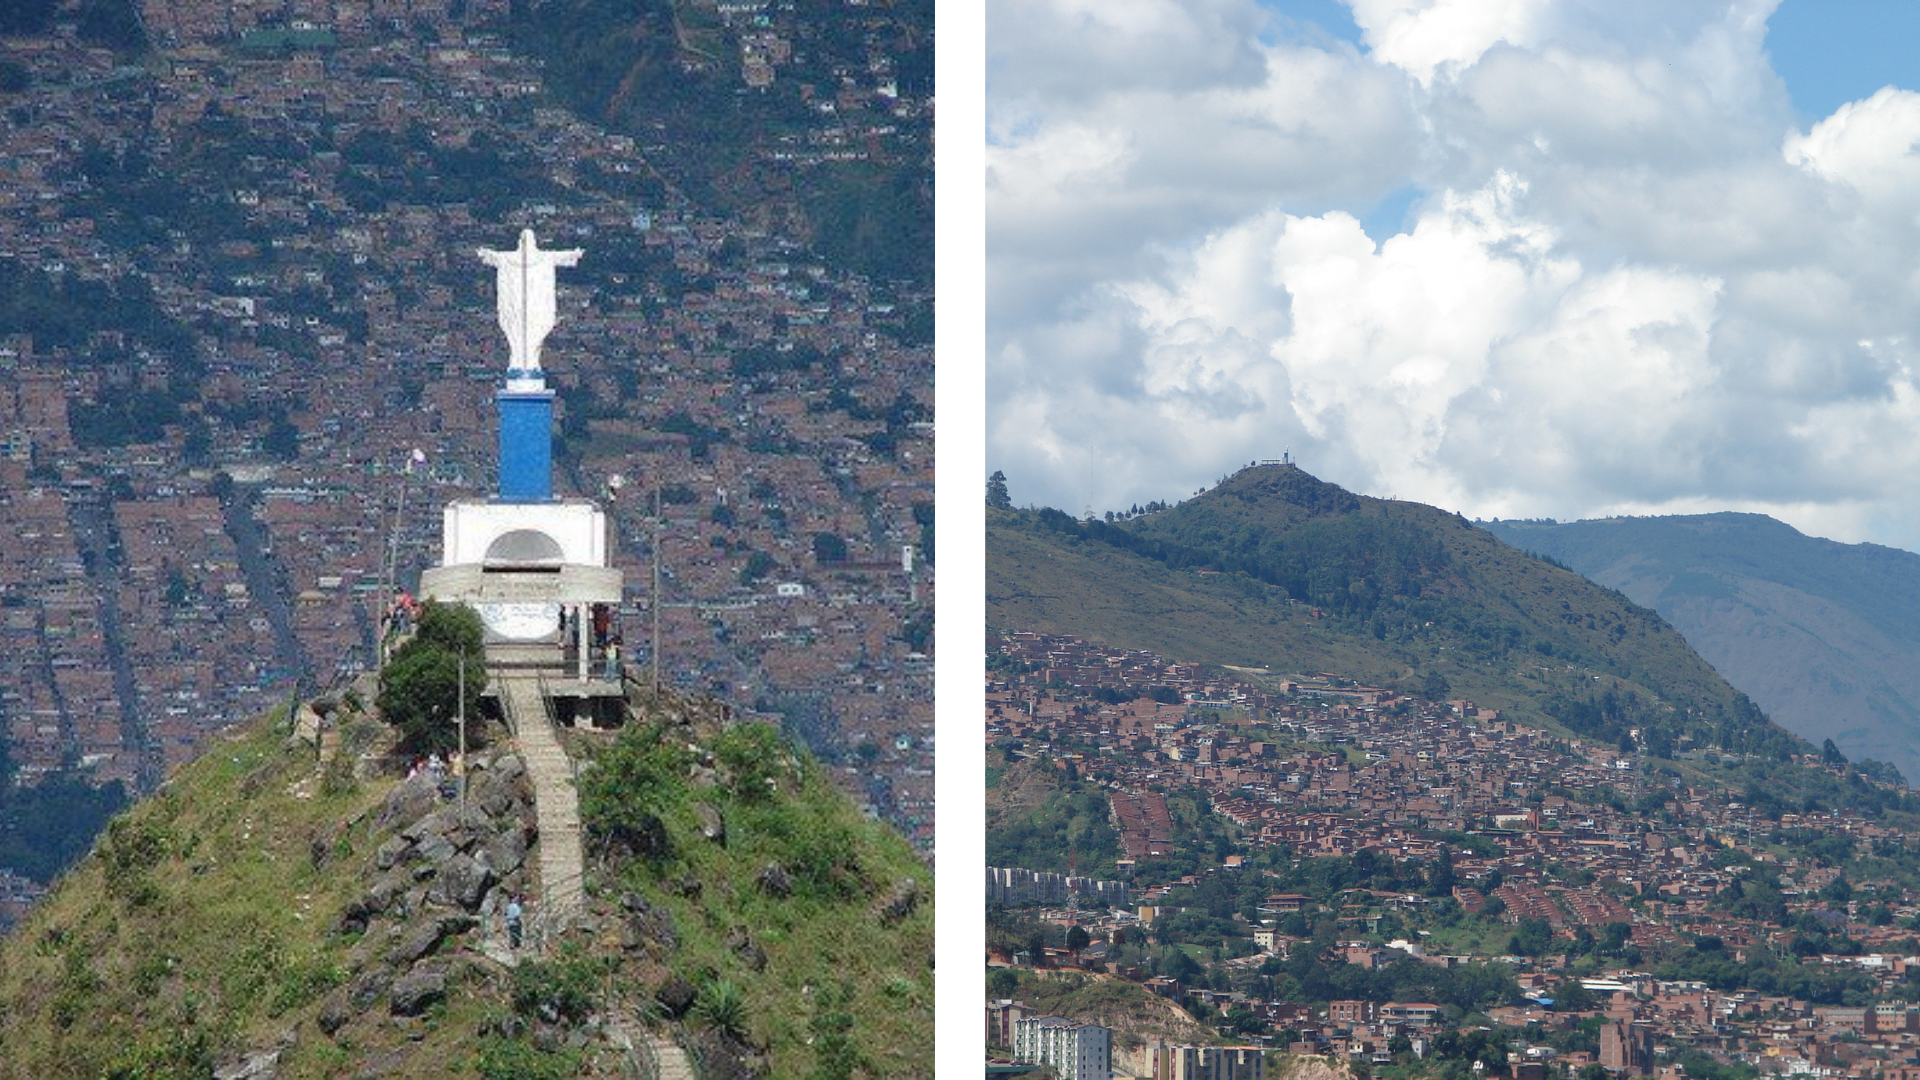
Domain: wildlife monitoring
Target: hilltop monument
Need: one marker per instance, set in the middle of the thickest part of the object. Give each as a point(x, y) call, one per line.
point(537, 568)
point(524, 290)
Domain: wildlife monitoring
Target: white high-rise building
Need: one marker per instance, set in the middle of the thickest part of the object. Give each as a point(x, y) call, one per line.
point(1076, 1051)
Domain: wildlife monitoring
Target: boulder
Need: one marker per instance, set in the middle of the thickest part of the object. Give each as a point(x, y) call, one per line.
point(378, 899)
point(676, 996)
point(433, 824)
point(320, 848)
point(259, 1065)
point(644, 838)
point(507, 851)
point(416, 992)
point(408, 802)
point(509, 767)
point(742, 945)
point(381, 1064)
point(493, 795)
point(650, 923)
point(335, 1012)
point(471, 827)
point(775, 880)
point(900, 902)
point(712, 825)
point(366, 988)
point(391, 852)
point(434, 849)
point(421, 938)
point(463, 881)
point(353, 920)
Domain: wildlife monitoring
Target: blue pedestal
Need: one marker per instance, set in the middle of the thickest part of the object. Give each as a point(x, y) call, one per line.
point(526, 445)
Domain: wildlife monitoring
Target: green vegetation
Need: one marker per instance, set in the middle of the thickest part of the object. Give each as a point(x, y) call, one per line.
point(828, 549)
point(112, 24)
point(14, 77)
point(997, 496)
point(27, 16)
point(1715, 576)
point(781, 935)
point(45, 826)
point(213, 917)
point(410, 167)
point(1275, 568)
point(1127, 1006)
point(420, 687)
point(1069, 821)
point(203, 918)
point(98, 321)
point(1773, 971)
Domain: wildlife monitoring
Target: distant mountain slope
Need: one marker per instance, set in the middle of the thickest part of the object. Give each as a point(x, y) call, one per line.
point(1825, 636)
point(670, 72)
point(1275, 567)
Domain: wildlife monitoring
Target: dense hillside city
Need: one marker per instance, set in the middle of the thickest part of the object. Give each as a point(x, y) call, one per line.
point(248, 351)
point(1311, 865)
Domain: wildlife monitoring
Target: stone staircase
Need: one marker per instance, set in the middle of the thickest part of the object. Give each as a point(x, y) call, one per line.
point(670, 1062)
point(556, 802)
point(650, 1054)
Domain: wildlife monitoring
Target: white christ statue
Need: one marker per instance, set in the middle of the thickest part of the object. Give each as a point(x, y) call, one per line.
point(524, 281)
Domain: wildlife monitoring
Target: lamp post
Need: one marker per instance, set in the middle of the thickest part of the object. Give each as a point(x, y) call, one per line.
point(654, 649)
point(415, 457)
point(615, 482)
point(462, 718)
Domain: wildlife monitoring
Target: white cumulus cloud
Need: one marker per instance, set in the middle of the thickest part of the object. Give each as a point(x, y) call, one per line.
point(1513, 257)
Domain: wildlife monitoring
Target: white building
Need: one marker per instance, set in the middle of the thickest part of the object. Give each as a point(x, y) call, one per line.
point(1076, 1051)
point(1172, 1062)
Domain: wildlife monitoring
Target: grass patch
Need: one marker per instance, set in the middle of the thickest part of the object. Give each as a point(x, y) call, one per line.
point(203, 923)
point(831, 982)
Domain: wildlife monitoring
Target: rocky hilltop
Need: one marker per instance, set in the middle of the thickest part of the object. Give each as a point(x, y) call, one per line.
point(279, 909)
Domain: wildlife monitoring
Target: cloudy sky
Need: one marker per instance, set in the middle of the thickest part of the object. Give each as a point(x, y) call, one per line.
point(1517, 258)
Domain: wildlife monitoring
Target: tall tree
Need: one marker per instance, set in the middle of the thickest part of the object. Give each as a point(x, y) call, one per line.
point(420, 687)
point(1077, 939)
point(997, 496)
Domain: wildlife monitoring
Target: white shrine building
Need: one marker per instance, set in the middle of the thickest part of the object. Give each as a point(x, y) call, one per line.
point(535, 567)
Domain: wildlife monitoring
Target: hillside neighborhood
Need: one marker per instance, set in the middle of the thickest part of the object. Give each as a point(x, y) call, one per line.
point(248, 354)
point(1642, 914)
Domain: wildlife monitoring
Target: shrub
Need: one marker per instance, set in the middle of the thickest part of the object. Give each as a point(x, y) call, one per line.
point(756, 757)
point(420, 685)
point(721, 1008)
point(131, 848)
point(562, 989)
point(511, 1059)
point(641, 773)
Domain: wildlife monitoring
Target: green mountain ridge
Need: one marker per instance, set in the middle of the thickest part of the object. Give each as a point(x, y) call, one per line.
point(1275, 568)
point(1824, 636)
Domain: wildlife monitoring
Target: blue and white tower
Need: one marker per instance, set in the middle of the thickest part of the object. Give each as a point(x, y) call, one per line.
point(530, 563)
